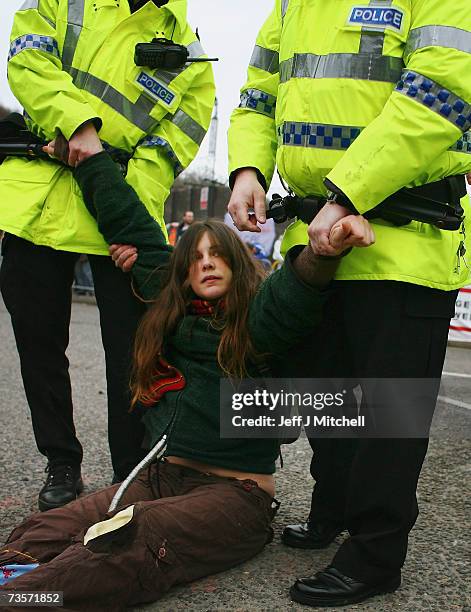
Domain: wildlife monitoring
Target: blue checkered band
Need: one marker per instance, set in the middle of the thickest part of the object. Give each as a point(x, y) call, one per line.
point(463, 145)
point(259, 101)
point(157, 141)
point(317, 135)
point(34, 41)
point(437, 98)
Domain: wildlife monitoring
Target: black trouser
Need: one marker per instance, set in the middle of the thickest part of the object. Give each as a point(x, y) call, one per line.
point(376, 329)
point(35, 282)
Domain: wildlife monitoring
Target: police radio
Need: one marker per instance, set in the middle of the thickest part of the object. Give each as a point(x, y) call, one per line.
point(165, 54)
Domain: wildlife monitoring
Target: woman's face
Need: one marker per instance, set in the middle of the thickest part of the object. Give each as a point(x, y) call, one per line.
point(209, 275)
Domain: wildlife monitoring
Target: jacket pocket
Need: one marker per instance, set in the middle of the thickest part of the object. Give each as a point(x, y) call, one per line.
point(25, 186)
point(159, 568)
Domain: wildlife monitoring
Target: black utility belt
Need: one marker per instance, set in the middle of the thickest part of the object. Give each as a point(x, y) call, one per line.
point(436, 203)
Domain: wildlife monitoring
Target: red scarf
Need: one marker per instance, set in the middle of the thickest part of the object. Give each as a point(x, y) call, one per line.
point(166, 377)
point(204, 308)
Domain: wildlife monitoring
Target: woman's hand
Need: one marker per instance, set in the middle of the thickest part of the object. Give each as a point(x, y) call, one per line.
point(351, 231)
point(124, 256)
point(247, 194)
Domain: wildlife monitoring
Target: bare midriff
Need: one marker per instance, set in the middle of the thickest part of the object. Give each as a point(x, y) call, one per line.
point(264, 481)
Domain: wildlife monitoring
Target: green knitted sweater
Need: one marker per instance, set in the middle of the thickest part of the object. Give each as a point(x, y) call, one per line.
point(283, 312)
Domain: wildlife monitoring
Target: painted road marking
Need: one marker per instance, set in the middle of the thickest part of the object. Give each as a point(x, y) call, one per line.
point(452, 402)
point(457, 374)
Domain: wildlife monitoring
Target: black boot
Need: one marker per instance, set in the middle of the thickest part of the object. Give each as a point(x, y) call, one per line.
point(332, 588)
point(310, 535)
point(63, 485)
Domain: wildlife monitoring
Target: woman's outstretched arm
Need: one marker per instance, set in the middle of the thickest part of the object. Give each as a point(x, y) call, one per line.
point(289, 304)
point(123, 219)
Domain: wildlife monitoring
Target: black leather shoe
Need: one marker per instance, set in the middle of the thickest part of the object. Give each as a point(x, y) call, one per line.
point(307, 535)
point(332, 588)
point(63, 485)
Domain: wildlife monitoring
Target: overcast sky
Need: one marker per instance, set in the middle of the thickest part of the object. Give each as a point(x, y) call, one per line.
point(227, 28)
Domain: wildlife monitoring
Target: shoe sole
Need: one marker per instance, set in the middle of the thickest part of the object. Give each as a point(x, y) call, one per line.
point(305, 545)
point(44, 506)
point(346, 601)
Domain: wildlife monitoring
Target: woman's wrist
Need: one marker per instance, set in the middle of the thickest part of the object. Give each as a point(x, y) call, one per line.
point(315, 270)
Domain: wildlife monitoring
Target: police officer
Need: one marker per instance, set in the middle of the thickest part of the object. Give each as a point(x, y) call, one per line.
point(354, 101)
point(71, 65)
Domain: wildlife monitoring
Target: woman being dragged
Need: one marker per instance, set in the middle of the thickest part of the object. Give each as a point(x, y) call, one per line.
point(207, 506)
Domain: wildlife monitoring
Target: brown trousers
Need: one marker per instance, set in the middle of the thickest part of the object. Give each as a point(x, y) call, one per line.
point(201, 524)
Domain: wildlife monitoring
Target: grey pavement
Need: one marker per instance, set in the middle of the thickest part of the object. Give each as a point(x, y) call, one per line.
point(437, 574)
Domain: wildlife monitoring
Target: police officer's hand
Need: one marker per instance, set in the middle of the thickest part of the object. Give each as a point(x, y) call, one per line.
point(351, 231)
point(247, 194)
point(83, 144)
point(124, 256)
point(323, 222)
point(58, 148)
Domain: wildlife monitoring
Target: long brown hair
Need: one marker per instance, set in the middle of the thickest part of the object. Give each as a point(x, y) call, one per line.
point(161, 320)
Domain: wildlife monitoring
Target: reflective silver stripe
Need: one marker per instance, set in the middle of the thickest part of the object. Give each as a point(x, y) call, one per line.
point(158, 141)
point(75, 15)
point(317, 135)
point(137, 114)
point(438, 36)
point(363, 66)
point(29, 4)
point(145, 103)
point(372, 40)
point(188, 126)
point(435, 97)
point(265, 59)
point(195, 49)
point(463, 145)
point(167, 76)
point(34, 4)
point(258, 101)
point(36, 42)
point(284, 7)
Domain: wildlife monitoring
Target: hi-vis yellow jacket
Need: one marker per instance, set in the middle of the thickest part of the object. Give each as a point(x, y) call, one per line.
point(72, 61)
point(374, 96)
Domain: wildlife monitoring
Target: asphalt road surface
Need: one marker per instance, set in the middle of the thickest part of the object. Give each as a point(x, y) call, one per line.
point(436, 577)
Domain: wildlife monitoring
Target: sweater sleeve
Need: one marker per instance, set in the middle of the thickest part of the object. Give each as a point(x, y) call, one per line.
point(285, 309)
point(123, 219)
